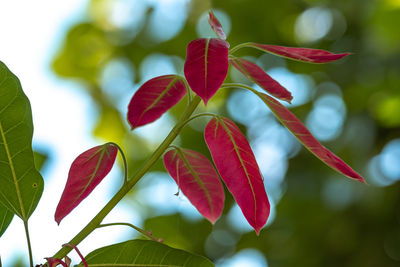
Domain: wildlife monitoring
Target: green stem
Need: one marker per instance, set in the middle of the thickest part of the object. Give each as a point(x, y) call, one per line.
point(198, 116)
point(29, 243)
point(239, 85)
point(95, 222)
point(233, 50)
point(140, 230)
point(189, 93)
point(123, 160)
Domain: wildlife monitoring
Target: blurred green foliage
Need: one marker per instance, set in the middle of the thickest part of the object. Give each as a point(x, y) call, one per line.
point(362, 228)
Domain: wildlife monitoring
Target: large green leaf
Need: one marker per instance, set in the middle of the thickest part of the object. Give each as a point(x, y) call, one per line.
point(177, 231)
point(6, 217)
point(21, 185)
point(144, 253)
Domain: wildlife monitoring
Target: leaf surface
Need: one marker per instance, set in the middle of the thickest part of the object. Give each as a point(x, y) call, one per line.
point(198, 180)
point(144, 253)
point(6, 217)
point(206, 66)
point(258, 75)
point(290, 121)
point(154, 98)
point(21, 185)
point(239, 170)
point(86, 172)
point(301, 54)
point(216, 25)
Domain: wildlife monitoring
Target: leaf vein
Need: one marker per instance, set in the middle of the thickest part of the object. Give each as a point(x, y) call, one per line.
point(17, 189)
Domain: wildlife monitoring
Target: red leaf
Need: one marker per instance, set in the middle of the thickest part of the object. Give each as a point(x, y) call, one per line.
point(86, 172)
point(216, 25)
point(154, 98)
point(305, 137)
point(206, 66)
point(300, 54)
point(198, 180)
point(258, 75)
point(238, 168)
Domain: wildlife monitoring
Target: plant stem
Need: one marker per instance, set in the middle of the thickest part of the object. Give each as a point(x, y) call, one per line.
point(238, 85)
point(199, 115)
point(140, 230)
point(234, 49)
point(29, 243)
point(123, 160)
point(95, 222)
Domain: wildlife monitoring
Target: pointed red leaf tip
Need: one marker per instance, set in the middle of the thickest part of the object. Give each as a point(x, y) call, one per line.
point(86, 172)
point(301, 54)
point(216, 25)
point(154, 98)
point(198, 180)
point(239, 170)
point(206, 66)
point(290, 121)
point(258, 75)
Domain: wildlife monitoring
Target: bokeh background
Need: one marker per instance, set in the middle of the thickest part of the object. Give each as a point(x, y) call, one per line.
point(81, 61)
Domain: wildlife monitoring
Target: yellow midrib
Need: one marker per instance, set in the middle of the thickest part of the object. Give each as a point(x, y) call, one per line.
point(102, 151)
point(197, 178)
point(14, 176)
point(163, 93)
point(206, 64)
point(235, 147)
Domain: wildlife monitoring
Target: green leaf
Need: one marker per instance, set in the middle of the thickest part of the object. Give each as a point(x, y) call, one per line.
point(177, 231)
point(21, 185)
point(41, 159)
point(6, 217)
point(144, 253)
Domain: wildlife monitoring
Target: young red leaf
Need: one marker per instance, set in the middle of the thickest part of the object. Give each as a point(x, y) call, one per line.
point(198, 180)
point(86, 172)
point(238, 168)
point(258, 75)
point(216, 25)
point(206, 66)
point(305, 137)
point(301, 54)
point(154, 98)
